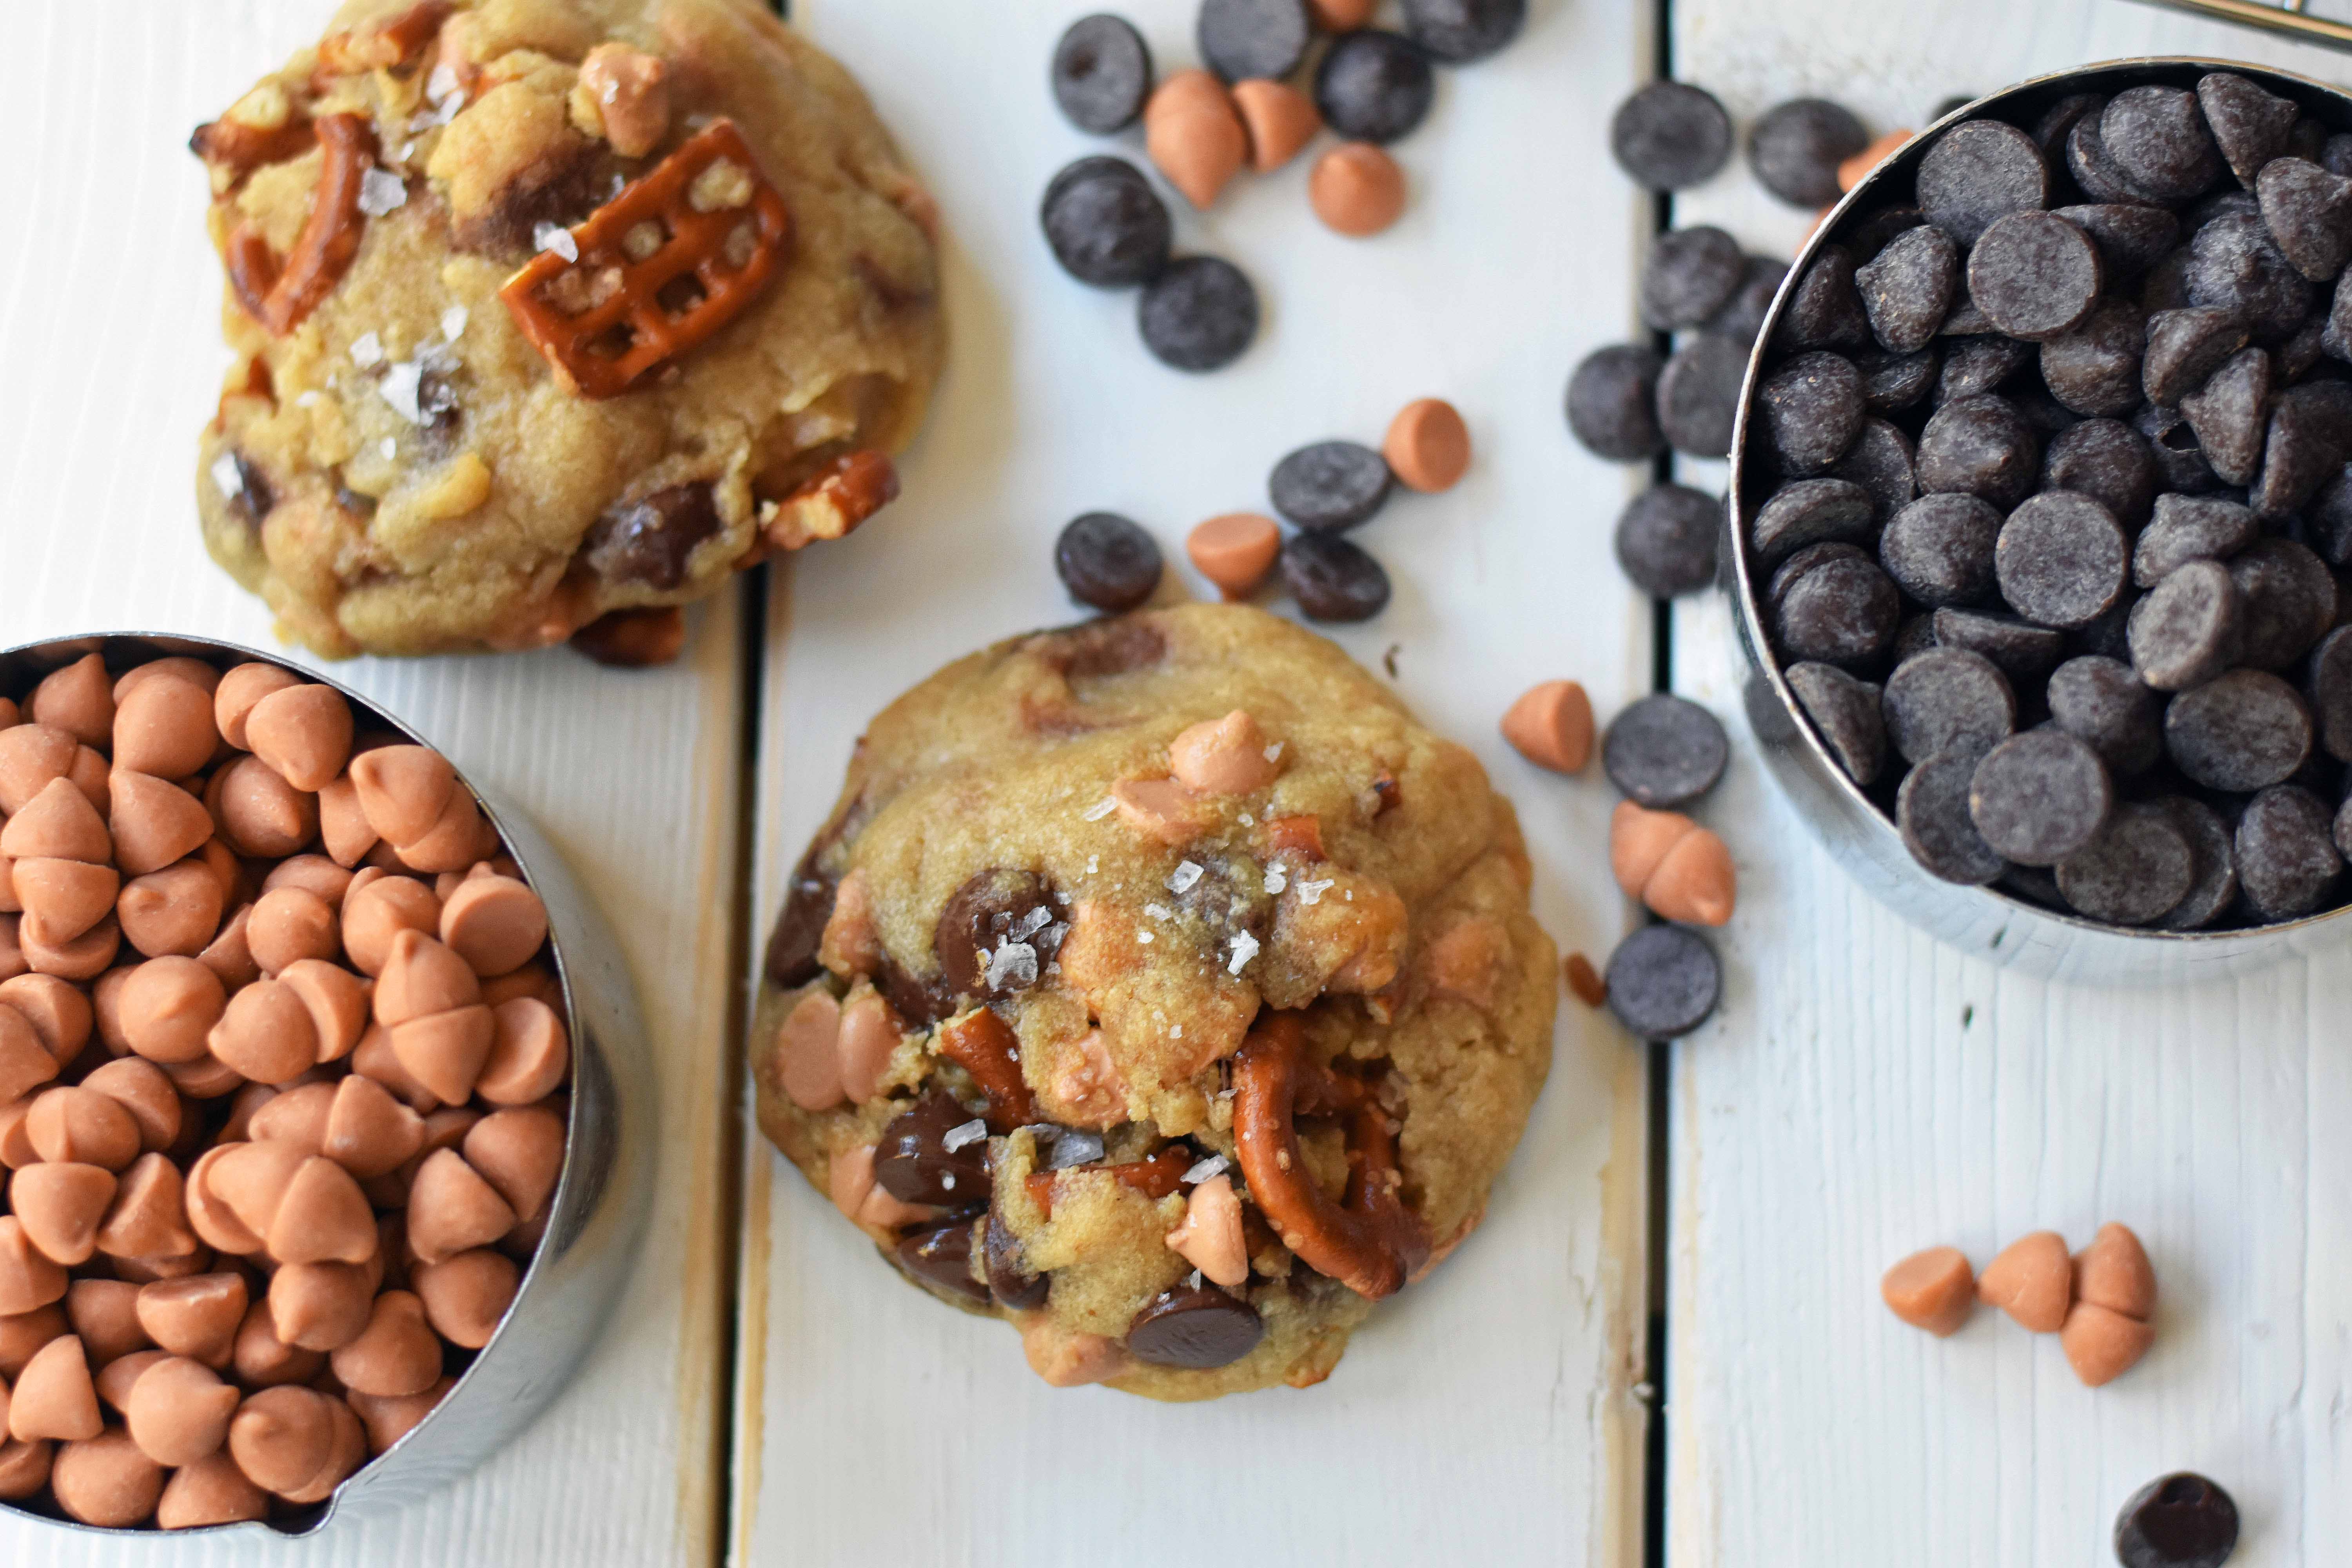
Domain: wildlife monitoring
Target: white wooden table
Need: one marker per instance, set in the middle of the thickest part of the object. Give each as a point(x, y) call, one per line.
point(768, 1394)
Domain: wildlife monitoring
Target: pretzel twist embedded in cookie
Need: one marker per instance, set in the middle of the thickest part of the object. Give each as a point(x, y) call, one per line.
point(1155, 1177)
point(1369, 1241)
point(280, 298)
point(629, 331)
point(985, 1045)
point(388, 43)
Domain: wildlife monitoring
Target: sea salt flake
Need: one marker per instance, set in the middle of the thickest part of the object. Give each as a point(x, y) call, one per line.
point(225, 478)
point(1160, 911)
point(381, 191)
point(453, 322)
point(307, 400)
point(1274, 752)
point(1311, 891)
point(367, 350)
point(1201, 1169)
point(1013, 965)
point(1248, 820)
point(389, 448)
point(1182, 878)
point(400, 388)
point(442, 84)
point(1103, 808)
point(1177, 1033)
point(1142, 935)
point(947, 1180)
point(1244, 949)
point(962, 1135)
point(554, 237)
point(1075, 1147)
point(1276, 878)
point(1032, 922)
point(1093, 864)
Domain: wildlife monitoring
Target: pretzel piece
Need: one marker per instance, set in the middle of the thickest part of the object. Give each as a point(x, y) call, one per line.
point(1369, 1241)
point(985, 1045)
point(626, 331)
point(1154, 1177)
point(234, 149)
point(279, 298)
point(389, 43)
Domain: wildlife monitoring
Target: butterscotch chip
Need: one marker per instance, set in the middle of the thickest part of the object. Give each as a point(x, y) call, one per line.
point(322, 1306)
point(338, 1003)
point(229, 955)
point(259, 813)
point(452, 1209)
point(24, 1468)
point(1235, 550)
point(375, 1058)
point(105, 1317)
point(395, 1354)
point(290, 924)
point(303, 733)
point(1280, 121)
point(59, 822)
point(148, 1215)
point(61, 1205)
point(283, 1438)
point(154, 822)
point(402, 790)
point(494, 923)
point(422, 976)
point(263, 1360)
point(239, 690)
point(465, 1296)
point(115, 1379)
point(1934, 1291)
point(195, 672)
point(1194, 135)
point(2114, 1272)
point(343, 826)
point(141, 1090)
point(78, 699)
point(164, 727)
point(377, 909)
point(388, 1419)
point(211, 1491)
point(1356, 189)
point(2102, 1344)
point(32, 756)
point(530, 1051)
point(54, 1397)
point(73, 1123)
point(175, 911)
point(60, 1014)
point(297, 1116)
point(1427, 445)
point(266, 1034)
point(520, 1152)
point(66, 896)
point(169, 1006)
point(179, 1411)
point(316, 875)
point(2032, 1280)
point(22, 1333)
point(105, 1481)
point(1551, 726)
point(367, 1130)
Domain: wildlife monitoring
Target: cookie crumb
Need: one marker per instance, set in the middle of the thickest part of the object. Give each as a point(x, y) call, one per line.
point(1585, 981)
point(1387, 659)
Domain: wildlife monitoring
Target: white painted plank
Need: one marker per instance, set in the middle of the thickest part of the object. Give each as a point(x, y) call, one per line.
point(1486, 1413)
point(109, 310)
point(1867, 1092)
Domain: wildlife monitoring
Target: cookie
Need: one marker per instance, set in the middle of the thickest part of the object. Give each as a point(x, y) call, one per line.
point(1121, 943)
point(547, 311)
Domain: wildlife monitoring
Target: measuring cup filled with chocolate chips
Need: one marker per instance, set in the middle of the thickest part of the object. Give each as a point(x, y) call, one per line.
point(324, 1103)
point(2041, 518)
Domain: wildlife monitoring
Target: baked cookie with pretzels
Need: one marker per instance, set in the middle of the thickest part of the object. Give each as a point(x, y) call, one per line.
point(1159, 985)
point(550, 315)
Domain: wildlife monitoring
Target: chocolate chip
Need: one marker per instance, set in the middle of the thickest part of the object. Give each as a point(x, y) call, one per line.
point(2097, 173)
point(1947, 699)
point(1979, 173)
point(2335, 336)
point(1845, 712)
point(1796, 147)
point(2061, 560)
point(254, 500)
point(1332, 578)
point(1195, 1327)
point(939, 1255)
point(1786, 575)
point(1663, 981)
point(1812, 512)
point(1812, 410)
point(2095, 369)
point(800, 927)
point(1690, 275)
point(1460, 31)
point(2288, 599)
point(1939, 549)
point(1843, 612)
point(1330, 485)
point(2188, 629)
point(2222, 201)
point(1978, 445)
point(1743, 317)
point(2131, 239)
point(1198, 314)
point(2185, 347)
point(2287, 858)
point(1612, 400)
point(1373, 86)
point(2297, 356)
point(1973, 365)
point(2034, 275)
point(1101, 73)
point(1665, 752)
point(1906, 290)
point(2335, 153)
point(1106, 561)
point(2156, 136)
point(1105, 223)
point(1825, 309)
point(1244, 38)
point(2102, 703)
point(1670, 134)
point(2328, 519)
point(1881, 462)
point(2109, 636)
point(2330, 690)
point(2180, 1522)
point(2179, 458)
point(1666, 540)
point(1093, 650)
point(1931, 813)
point(2050, 131)
point(988, 913)
point(1874, 231)
point(1010, 1278)
point(2229, 413)
point(2134, 873)
point(2021, 650)
point(1891, 382)
point(2309, 213)
point(2250, 126)
point(2108, 461)
point(912, 1161)
point(649, 539)
point(2040, 796)
point(2213, 884)
point(2305, 446)
point(2242, 731)
point(1698, 395)
point(2234, 266)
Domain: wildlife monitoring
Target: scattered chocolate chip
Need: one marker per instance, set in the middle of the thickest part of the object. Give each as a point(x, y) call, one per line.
point(2022, 650)
point(1663, 981)
point(2156, 136)
point(2178, 1522)
point(1698, 395)
point(2107, 460)
point(1979, 364)
point(1195, 1327)
point(1242, 38)
point(1906, 290)
point(1330, 485)
point(2213, 884)
point(2062, 559)
point(2040, 796)
point(1743, 317)
point(1978, 173)
point(1931, 813)
point(1010, 1278)
point(1612, 401)
point(2134, 873)
point(939, 1255)
point(2309, 214)
point(1947, 699)
point(1460, 31)
point(1666, 540)
point(1669, 135)
point(1939, 549)
point(2095, 368)
point(1891, 382)
point(2034, 275)
point(2287, 858)
point(1106, 561)
point(2288, 598)
point(1979, 447)
point(1373, 86)
point(1332, 578)
point(2234, 265)
point(2242, 731)
point(2188, 629)
point(1796, 147)
point(912, 1161)
point(1101, 73)
point(651, 538)
point(1845, 712)
point(1843, 612)
point(2131, 239)
point(1198, 314)
point(2330, 691)
point(1812, 512)
point(2102, 703)
point(1665, 752)
point(1881, 462)
point(1812, 410)
point(1690, 275)
point(1825, 309)
point(1105, 223)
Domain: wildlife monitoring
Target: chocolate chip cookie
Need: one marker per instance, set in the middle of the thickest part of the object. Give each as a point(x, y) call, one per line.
point(548, 310)
point(1159, 985)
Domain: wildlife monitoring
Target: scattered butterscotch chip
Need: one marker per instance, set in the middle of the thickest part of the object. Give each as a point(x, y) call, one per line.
point(1585, 982)
point(1427, 445)
point(1551, 726)
point(2114, 1272)
point(1852, 171)
point(1235, 550)
point(1356, 189)
point(1193, 135)
point(1280, 121)
point(2032, 1280)
point(2102, 1344)
point(1681, 870)
point(1935, 1289)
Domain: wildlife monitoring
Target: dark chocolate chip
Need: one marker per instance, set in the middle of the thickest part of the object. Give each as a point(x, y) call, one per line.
point(1698, 395)
point(1812, 512)
point(1786, 574)
point(913, 1162)
point(2095, 369)
point(2335, 153)
point(1244, 38)
point(254, 500)
point(2213, 884)
point(651, 538)
point(1373, 86)
point(1973, 365)
point(2242, 731)
point(2165, 287)
point(2098, 176)
point(2189, 628)
point(1106, 561)
point(2328, 519)
point(2020, 650)
point(1947, 699)
point(2108, 461)
point(2185, 347)
point(800, 927)
point(2330, 690)
point(1812, 410)
point(1966, 321)
point(1931, 812)
point(2131, 239)
point(1892, 382)
point(2250, 126)
point(1690, 275)
point(2228, 200)
point(1665, 752)
point(2287, 858)
point(2335, 337)
point(2156, 136)
point(1877, 230)
point(1978, 445)
point(1093, 650)
point(2061, 560)
point(2309, 212)
point(1330, 485)
point(2231, 415)
point(1612, 400)
point(1332, 578)
point(1843, 612)
point(2134, 873)
point(2179, 458)
point(1102, 73)
point(1743, 317)
point(2034, 275)
point(1669, 135)
point(1010, 1278)
point(1771, 720)
point(939, 1255)
point(1881, 462)
point(2178, 1522)
point(2040, 796)
point(1939, 549)
point(1668, 538)
point(1825, 309)
point(1105, 223)
point(989, 913)
point(1460, 31)
point(2296, 357)
point(2287, 601)
point(1906, 290)
point(2234, 265)
point(2308, 438)
point(1796, 147)
point(1978, 172)
point(2343, 829)
point(2050, 131)
point(2102, 703)
point(1663, 981)
point(2109, 636)
point(1845, 713)
point(1195, 1327)
point(1198, 314)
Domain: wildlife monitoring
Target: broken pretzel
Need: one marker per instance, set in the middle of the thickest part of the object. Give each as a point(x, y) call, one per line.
point(279, 298)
